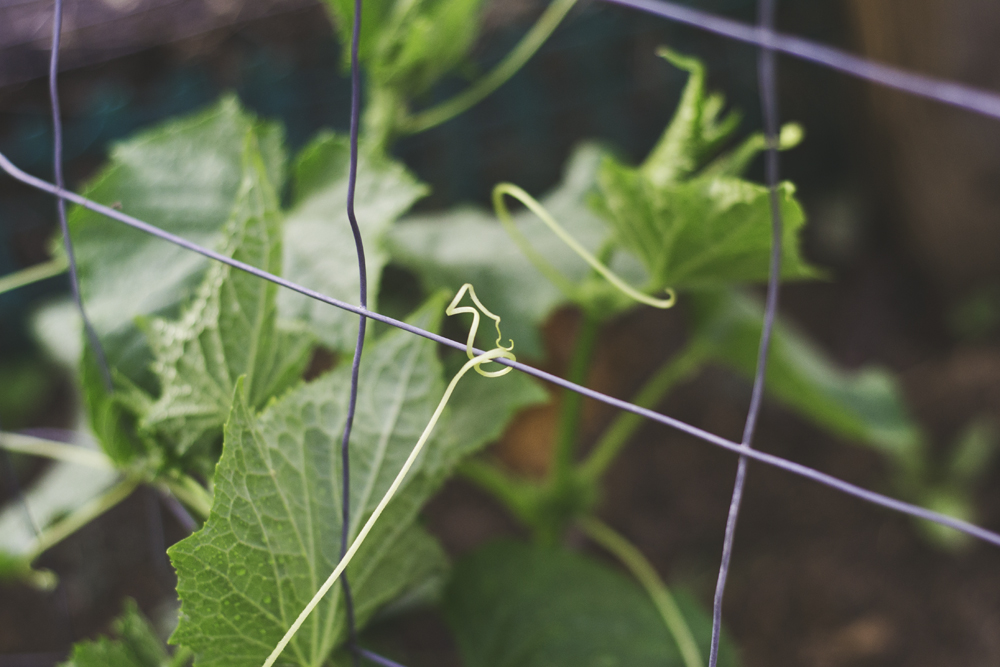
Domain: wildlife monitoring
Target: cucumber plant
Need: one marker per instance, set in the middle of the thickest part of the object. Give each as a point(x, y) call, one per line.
point(209, 403)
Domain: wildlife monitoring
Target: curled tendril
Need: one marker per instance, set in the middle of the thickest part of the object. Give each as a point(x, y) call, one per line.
point(454, 309)
point(543, 265)
point(474, 362)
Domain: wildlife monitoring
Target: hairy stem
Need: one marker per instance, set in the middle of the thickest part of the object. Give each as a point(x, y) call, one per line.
point(675, 370)
point(33, 274)
point(52, 449)
point(529, 44)
point(60, 530)
point(192, 494)
point(646, 575)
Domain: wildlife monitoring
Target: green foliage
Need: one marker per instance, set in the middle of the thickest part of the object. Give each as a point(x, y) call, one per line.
point(182, 177)
point(865, 406)
point(319, 246)
point(511, 604)
point(274, 531)
point(467, 245)
point(230, 329)
point(137, 645)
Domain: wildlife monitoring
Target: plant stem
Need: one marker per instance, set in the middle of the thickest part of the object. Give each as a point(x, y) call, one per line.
point(181, 657)
point(509, 490)
point(60, 451)
point(33, 274)
point(675, 370)
point(572, 406)
point(516, 59)
point(646, 575)
point(81, 517)
point(194, 496)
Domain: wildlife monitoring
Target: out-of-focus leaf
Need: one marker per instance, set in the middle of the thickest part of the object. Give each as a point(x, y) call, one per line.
point(183, 177)
point(230, 329)
point(319, 250)
point(517, 605)
point(137, 645)
point(61, 489)
point(865, 405)
point(469, 245)
point(274, 532)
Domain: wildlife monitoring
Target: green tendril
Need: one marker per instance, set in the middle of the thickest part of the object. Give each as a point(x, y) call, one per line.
point(543, 265)
point(474, 362)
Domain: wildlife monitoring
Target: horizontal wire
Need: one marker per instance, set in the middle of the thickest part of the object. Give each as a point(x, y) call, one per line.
point(768, 459)
point(954, 94)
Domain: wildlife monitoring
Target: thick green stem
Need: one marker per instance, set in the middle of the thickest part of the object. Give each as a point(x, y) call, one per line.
point(60, 530)
point(51, 449)
point(33, 274)
point(194, 496)
point(572, 406)
point(675, 370)
point(519, 496)
point(646, 575)
point(516, 59)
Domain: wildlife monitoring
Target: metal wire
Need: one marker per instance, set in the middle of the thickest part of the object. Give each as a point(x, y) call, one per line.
point(763, 35)
point(769, 109)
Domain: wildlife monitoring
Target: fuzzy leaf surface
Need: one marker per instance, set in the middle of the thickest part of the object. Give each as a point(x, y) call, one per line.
point(518, 605)
point(182, 177)
point(319, 250)
point(274, 532)
point(230, 329)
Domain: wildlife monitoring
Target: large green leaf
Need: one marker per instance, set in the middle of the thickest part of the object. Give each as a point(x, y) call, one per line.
point(230, 329)
point(517, 605)
point(704, 232)
point(183, 177)
point(469, 245)
point(274, 532)
point(864, 405)
point(137, 645)
point(319, 245)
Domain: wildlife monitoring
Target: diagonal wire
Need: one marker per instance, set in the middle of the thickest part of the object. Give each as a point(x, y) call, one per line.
point(57, 160)
point(711, 438)
point(345, 450)
point(769, 109)
point(954, 94)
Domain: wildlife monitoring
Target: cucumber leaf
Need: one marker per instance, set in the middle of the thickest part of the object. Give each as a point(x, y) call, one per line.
point(273, 535)
point(230, 329)
point(319, 250)
point(137, 645)
point(517, 605)
point(182, 177)
point(865, 405)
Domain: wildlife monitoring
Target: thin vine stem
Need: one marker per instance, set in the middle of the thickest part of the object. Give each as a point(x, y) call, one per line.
point(675, 370)
point(80, 517)
point(52, 449)
point(33, 274)
point(572, 404)
point(806, 472)
point(514, 61)
point(646, 575)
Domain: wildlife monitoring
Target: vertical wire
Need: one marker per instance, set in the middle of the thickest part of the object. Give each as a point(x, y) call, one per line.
point(769, 109)
point(345, 454)
point(57, 160)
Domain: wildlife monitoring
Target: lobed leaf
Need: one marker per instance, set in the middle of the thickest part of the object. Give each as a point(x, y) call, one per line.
point(230, 329)
point(273, 535)
point(319, 250)
point(517, 605)
point(182, 177)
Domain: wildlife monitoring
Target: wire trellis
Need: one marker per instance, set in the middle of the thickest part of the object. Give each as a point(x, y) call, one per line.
point(763, 35)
